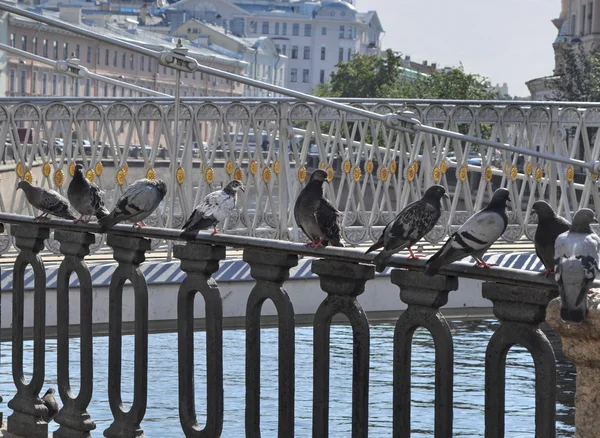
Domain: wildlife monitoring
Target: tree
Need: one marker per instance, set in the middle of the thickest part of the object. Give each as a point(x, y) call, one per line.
point(579, 80)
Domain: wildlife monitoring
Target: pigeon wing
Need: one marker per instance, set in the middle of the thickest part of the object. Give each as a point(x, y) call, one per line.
point(328, 219)
point(545, 237)
point(54, 203)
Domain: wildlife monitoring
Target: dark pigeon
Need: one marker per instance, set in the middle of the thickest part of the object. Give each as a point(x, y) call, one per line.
point(52, 405)
point(576, 265)
point(410, 226)
point(138, 202)
point(48, 201)
point(550, 226)
point(475, 236)
point(316, 215)
point(214, 208)
point(85, 197)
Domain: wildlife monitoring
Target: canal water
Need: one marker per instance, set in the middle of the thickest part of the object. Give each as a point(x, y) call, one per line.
point(162, 417)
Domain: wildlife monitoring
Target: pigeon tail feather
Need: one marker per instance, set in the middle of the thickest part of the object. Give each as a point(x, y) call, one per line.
point(382, 259)
point(376, 245)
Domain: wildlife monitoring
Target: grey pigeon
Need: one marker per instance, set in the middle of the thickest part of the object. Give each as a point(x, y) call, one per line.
point(410, 226)
point(316, 215)
point(576, 265)
point(214, 208)
point(85, 197)
point(550, 226)
point(52, 405)
point(46, 200)
point(475, 236)
point(138, 202)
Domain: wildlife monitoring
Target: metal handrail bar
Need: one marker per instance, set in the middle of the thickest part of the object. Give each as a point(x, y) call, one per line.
point(65, 67)
point(460, 269)
point(402, 121)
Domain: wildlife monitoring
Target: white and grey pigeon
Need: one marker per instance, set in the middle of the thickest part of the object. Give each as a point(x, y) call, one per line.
point(410, 226)
point(138, 202)
point(316, 215)
point(50, 402)
point(86, 197)
point(550, 226)
point(475, 236)
point(214, 208)
point(46, 200)
point(576, 265)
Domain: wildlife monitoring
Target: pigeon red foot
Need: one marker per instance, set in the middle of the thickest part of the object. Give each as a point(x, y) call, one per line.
point(547, 272)
point(484, 264)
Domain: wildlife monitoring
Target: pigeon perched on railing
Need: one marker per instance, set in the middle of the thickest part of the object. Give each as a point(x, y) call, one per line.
point(52, 405)
point(550, 226)
point(410, 226)
point(576, 264)
point(85, 197)
point(46, 200)
point(214, 208)
point(316, 215)
point(475, 236)
point(138, 202)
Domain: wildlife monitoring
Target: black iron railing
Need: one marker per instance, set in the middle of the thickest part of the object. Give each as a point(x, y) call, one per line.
point(519, 299)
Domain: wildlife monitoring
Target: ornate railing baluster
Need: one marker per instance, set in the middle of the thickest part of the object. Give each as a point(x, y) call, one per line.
point(424, 297)
point(520, 311)
point(199, 262)
point(26, 420)
point(74, 420)
point(270, 269)
point(343, 282)
point(129, 252)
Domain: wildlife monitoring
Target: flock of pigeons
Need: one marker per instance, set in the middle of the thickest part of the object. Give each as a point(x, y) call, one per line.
point(570, 251)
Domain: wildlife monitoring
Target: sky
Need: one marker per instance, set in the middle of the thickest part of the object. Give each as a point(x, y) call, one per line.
point(504, 40)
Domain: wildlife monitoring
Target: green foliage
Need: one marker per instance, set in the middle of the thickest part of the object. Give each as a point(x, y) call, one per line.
point(580, 80)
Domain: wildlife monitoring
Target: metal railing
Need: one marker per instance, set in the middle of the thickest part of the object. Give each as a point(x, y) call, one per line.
point(519, 299)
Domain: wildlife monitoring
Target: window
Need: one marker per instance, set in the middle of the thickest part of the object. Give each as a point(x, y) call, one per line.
point(589, 16)
point(283, 28)
point(23, 83)
point(573, 23)
point(45, 47)
point(284, 49)
point(34, 43)
point(77, 51)
point(114, 91)
point(349, 54)
point(323, 50)
point(308, 30)
point(342, 29)
point(150, 66)
point(350, 28)
point(253, 27)
point(123, 60)
point(54, 84)
point(66, 50)
point(305, 74)
point(64, 86)
point(89, 54)
point(583, 20)
point(115, 59)
point(296, 29)
point(278, 49)
point(341, 56)
point(131, 63)
point(265, 28)
point(306, 52)
point(24, 42)
point(322, 76)
point(106, 57)
point(88, 87)
point(11, 86)
point(105, 90)
point(34, 79)
point(276, 31)
point(44, 84)
point(76, 88)
point(142, 63)
point(294, 52)
point(55, 49)
point(12, 40)
point(323, 30)
point(294, 75)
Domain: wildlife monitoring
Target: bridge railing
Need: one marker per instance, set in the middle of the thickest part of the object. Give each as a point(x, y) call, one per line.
point(519, 300)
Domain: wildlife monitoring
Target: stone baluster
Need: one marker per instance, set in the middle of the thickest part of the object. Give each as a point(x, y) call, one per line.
point(270, 269)
point(424, 297)
point(129, 252)
point(26, 420)
point(199, 262)
point(520, 311)
point(581, 345)
point(74, 420)
point(343, 282)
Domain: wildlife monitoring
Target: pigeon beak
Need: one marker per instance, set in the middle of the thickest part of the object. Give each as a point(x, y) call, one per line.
point(242, 188)
point(447, 196)
point(595, 220)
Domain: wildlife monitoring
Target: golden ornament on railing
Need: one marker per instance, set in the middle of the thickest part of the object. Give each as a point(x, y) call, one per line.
point(347, 166)
point(98, 168)
point(229, 167)
point(410, 173)
point(443, 167)
point(383, 173)
point(46, 169)
point(462, 173)
point(126, 169)
point(356, 173)
point(570, 173)
point(514, 172)
point(594, 177)
point(302, 174)
point(20, 169)
point(529, 168)
point(393, 167)
point(202, 168)
point(415, 166)
point(266, 174)
point(72, 169)
point(180, 175)
point(121, 174)
point(370, 167)
point(488, 173)
point(436, 174)
point(276, 167)
point(253, 167)
point(506, 167)
point(209, 175)
point(330, 173)
point(59, 177)
point(90, 175)
point(539, 173)
point(28, 177)
point(322, 165)
point(150, 174)
point(238, 174)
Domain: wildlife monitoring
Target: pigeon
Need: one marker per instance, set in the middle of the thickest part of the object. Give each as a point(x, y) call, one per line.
point(475, 236)
point(410, 226)
point(138, 202)
point(316, 215)
point(576, 265)
point(46, 200)
point(214, 208)
point(85, 197)
point(52, 405)
point(550, 226)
